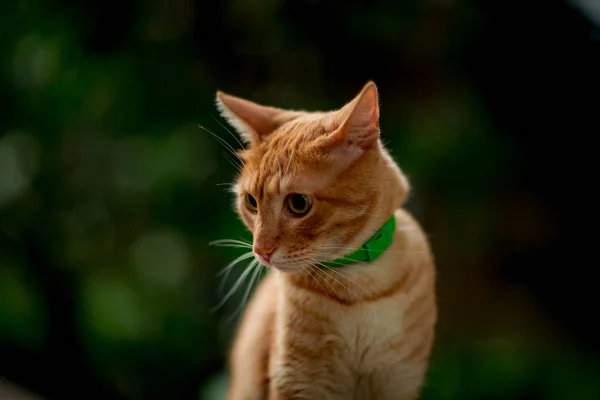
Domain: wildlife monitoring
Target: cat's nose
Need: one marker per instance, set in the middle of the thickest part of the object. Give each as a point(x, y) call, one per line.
point(264, 252)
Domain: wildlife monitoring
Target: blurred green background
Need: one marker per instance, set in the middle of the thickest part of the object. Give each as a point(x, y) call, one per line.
point(110, 192)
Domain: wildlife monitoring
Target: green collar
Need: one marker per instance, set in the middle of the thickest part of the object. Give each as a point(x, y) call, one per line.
point(371, 249)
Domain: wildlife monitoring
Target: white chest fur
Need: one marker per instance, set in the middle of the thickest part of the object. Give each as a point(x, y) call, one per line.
point(352, 357)
point(358, 330)
point(364, 327)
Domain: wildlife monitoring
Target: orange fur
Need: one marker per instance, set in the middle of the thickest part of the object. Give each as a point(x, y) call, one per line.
point(360, 331)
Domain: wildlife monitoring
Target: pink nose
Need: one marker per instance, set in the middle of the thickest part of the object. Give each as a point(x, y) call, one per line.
point(265, 253)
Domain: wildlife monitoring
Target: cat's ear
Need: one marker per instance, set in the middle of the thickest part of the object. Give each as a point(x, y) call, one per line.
point(359, 124)
point(252, 121)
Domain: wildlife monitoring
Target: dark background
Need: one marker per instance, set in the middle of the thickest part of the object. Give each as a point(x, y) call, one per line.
point(109, 190)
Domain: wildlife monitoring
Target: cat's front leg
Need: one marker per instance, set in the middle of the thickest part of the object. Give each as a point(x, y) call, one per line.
point(250, 353)
point(400, 382)
point(309, 380)
point(305, 390)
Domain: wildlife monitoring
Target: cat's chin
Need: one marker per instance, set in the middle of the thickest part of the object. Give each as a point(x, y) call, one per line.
point(289, 269)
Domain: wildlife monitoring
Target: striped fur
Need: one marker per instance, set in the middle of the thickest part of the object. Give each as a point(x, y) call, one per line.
point(361, 331)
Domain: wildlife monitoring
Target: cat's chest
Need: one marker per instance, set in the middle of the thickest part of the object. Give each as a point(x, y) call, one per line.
point(360, 334)
point(366, 329)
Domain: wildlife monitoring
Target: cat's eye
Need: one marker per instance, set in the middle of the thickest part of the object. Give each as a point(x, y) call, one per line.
point(251, 203)
point(298, 204)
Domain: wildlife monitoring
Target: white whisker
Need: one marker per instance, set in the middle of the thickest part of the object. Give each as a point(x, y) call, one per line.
point(232, 162)
point(318, 271)
point(307, 267)
point(253, 279)
point(229, 131)
point(226, 145)
point(347, 278)
point(230, 266)
point(237, 284)
point(241, 245)
point(290, 161)
point(220, 242)
point(332, 277)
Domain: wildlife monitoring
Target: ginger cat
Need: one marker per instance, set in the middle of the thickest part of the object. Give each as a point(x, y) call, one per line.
point(314, 188)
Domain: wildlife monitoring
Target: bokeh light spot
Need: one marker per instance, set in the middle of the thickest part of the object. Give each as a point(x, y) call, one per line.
point(161, 259)
point(35, 62)
point(114, 309)
point(18, 163)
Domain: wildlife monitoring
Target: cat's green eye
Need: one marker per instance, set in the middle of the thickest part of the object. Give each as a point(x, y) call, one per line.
point(251, 203)
point(298, 204)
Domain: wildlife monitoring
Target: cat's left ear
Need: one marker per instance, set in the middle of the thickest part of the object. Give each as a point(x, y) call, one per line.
point(252, 121)
point(359, 127)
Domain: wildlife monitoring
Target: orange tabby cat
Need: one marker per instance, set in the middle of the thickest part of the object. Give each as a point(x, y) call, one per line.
point(315, 187)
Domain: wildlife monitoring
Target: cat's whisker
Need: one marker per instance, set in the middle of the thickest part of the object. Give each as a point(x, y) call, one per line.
point(230, 243)
point(229, 187)
point(228, 130)
point(236, 241)
point(237, 284)
point(315, 274)
point(231, 240)
point(280, 168)
point(232, 162)
point(350, 250)
point(307, 268)
point(237, 246)
point(332, 277)
point(253, 279)
point(224, 143)
point(320, 254)
point(229, 184)
point(319, 271)
point(315, 270)
point(229, 267)
point(236, 139)
point(290, 161)
point(346, 277)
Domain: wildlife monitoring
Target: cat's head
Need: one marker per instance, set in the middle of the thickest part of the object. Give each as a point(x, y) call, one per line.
point(314, 185)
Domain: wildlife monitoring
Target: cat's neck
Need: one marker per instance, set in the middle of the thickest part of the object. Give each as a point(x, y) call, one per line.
point(390, 191)
point(359, 282)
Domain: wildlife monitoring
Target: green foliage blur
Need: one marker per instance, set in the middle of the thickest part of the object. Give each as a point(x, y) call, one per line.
point(111, 188)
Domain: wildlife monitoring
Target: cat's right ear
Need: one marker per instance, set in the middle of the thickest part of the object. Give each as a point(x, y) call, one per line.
point(358, 129)
point(252, 121)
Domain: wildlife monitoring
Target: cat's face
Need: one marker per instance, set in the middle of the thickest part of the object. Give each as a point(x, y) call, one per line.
point(310, 182)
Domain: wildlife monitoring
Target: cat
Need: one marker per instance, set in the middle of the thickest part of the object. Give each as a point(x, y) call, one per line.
point(314, 188)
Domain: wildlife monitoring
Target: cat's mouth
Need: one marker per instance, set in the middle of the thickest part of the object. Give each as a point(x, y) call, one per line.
point(290, 262)
point(291, 266)
point(281, 266)
point(263, 261)
point(287, 269)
